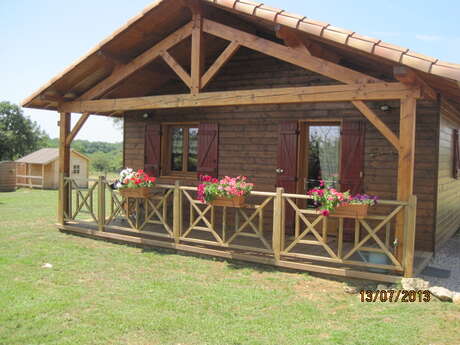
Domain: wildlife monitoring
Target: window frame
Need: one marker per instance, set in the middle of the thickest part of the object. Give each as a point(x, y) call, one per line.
point(166, 152)
point(304, 147)
point(76, 169)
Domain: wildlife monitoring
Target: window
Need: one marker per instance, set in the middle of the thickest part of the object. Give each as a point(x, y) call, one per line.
point(76, 169)
point(320, 154)
point(181, 150)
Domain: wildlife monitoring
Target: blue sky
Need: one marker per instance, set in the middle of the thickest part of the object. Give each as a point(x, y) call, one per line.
point(38, 39)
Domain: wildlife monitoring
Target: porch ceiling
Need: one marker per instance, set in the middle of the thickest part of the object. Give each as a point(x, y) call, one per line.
point(164, 17)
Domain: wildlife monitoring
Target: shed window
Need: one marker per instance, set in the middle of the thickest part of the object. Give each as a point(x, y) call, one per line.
point(76, 169)
point(181, 149)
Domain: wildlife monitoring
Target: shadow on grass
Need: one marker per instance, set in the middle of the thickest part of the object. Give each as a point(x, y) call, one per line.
point(233, 264)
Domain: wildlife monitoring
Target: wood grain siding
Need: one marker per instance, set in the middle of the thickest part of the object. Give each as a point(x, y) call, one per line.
point(448, 200)
point(248, 135)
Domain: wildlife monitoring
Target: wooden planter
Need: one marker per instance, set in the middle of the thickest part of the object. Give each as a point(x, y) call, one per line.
point(351, 211)
point(235, 201)
point(140, 193)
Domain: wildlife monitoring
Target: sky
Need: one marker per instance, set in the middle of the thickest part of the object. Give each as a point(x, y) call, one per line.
point(39, 39)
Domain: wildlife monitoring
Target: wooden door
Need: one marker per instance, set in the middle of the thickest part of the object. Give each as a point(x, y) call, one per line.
point(152, 149)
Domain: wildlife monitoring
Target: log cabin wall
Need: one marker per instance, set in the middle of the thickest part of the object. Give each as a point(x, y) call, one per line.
point(448, 201)
point(248, 135)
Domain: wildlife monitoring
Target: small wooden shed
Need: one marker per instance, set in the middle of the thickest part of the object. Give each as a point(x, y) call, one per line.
point(40, 169)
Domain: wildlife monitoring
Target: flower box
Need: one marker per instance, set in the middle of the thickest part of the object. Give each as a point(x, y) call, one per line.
point(141, 193)
point(234, 201)
point(358, 211)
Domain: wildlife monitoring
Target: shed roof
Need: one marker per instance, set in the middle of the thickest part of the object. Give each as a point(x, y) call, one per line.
point(45, 156)
point(165, 16)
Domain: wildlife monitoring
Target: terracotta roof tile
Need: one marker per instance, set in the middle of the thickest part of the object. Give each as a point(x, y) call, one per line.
point(443, 71)
point(414, 62)
point(226, 3)
point(244, 8)
point(288, 21)
point(394, 47)
point(365, 38)
point(265, 14)
point(360, 44)
point(387, 53)
point(335, 36)
point(336, 28)
point(311, 28)
point(421, 56)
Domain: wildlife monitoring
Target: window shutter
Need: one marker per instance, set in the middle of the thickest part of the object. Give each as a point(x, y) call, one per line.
point(352, 157)
point(456, 162)
point(287, 156)
point(208, 149)
point(152, 149)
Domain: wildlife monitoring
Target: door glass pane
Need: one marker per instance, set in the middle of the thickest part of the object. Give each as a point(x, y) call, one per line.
point(324, 155)
point(177, 147)
point(192, 149)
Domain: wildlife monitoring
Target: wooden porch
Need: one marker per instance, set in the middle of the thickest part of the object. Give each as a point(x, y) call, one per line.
point(174, 219)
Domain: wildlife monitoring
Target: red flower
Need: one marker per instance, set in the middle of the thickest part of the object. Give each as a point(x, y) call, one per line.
point(140, 171)
point(152, 179)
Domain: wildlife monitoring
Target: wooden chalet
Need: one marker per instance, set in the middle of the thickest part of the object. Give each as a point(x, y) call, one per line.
point(235, 87)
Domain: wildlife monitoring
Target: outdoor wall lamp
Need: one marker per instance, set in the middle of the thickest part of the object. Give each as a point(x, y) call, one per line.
point(385, 107)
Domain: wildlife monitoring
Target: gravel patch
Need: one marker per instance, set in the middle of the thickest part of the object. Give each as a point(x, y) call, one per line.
point(447, 259)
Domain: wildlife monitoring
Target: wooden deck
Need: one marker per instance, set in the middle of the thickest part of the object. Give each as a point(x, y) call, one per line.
point(273, 228)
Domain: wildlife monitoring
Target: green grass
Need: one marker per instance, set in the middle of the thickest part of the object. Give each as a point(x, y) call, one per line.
point(104, 293)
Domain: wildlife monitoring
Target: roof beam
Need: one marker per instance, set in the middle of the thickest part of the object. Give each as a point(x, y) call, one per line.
point(331, 93)
point(226, 55)
point(137, 63)
point(291, 39)
point(197, 62)
point(408, 76)
point(81, 121)
point(379, 124)
point(177, 68)
point(287, 54)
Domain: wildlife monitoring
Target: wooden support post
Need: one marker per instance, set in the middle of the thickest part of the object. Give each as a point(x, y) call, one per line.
point(197, 52)
point(409, 238)
point(64, 166)
point(406, 163)
point(101, 203)
point(277, 223)
point(177, 212)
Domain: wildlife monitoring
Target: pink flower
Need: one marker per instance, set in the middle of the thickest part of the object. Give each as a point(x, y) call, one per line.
point(321, 183)
point(325, 213)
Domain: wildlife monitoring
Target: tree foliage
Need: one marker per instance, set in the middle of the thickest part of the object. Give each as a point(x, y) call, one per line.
point(18, 134)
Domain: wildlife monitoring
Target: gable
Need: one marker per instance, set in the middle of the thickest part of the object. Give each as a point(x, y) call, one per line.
point(163, 18)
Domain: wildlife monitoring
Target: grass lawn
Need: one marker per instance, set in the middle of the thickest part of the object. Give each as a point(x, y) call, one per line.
point(103, 293)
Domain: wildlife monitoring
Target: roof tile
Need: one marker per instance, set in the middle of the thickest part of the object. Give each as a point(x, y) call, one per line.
point(273, 9)
point(335, 36)
point(245, 8)
point(365, 38)
point(265, 14)
point(357, 43)
point(226, 3)
point(416, 63)
point(336, 28)
point(447, 64)
point(446, 72)
point(394, 47)
point(287, 21)
point(421, 56)
point(316, 22)
point(387, 53)
point(310, 28)
point(293, 15)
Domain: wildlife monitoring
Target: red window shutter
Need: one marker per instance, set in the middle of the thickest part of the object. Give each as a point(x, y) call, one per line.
point(456, 162)
point(287, 156)
point(208, 149)
point(352, 157)
point(152, 149)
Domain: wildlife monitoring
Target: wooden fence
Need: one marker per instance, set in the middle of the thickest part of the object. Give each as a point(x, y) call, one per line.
point(259, 232)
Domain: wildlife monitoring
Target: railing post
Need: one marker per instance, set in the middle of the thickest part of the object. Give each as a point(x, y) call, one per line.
point(177, 212)
point(101, 203)
point(61, 217)
point(278, 222)
point(409, 236)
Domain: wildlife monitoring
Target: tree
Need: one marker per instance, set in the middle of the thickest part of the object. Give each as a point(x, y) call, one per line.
point(18, 134)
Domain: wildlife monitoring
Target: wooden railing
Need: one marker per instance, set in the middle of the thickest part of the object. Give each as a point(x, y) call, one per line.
point(29, 178)
point(274, 228)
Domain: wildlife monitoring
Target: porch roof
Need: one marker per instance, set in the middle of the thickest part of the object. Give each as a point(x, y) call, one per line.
point(165, 16)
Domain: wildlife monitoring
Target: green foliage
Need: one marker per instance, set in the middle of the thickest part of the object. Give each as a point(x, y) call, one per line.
point(18, 134)
point(104, 157)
